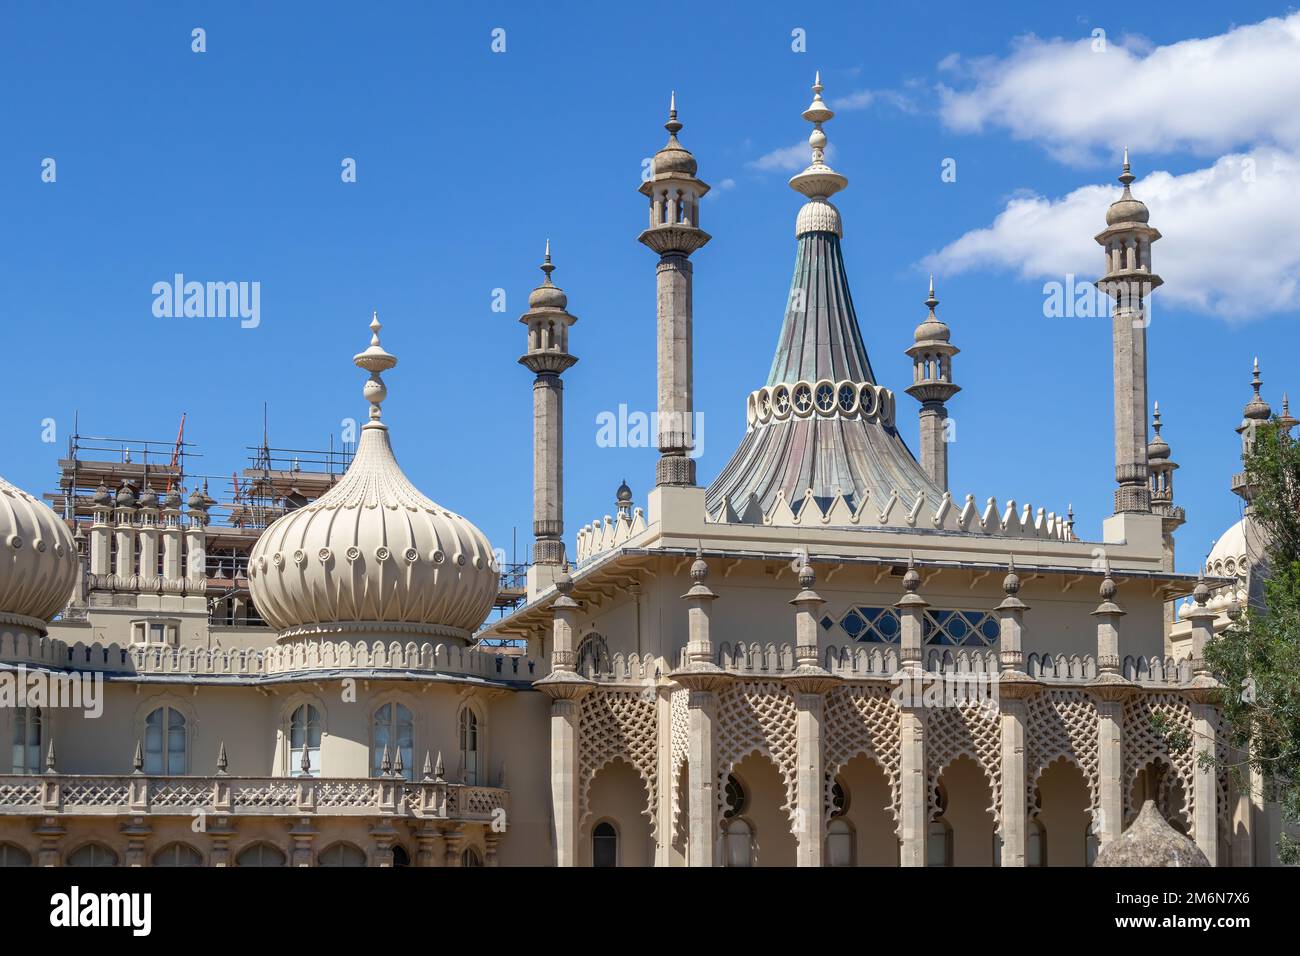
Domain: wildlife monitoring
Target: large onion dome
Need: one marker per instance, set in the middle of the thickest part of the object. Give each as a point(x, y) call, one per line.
point(1151, 841)
point(38, 561)
point(373, 554)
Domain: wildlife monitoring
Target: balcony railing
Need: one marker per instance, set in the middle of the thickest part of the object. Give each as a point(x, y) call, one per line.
point(136, 794)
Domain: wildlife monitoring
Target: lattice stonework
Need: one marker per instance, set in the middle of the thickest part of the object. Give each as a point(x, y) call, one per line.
point(1141, 746)
point(758, 717)
point(619, 724)
point(967, 729)
point(680, 725)
point(862, 721)
point(1061, 723)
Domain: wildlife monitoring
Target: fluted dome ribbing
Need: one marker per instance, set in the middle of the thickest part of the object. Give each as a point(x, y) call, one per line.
point(38, 561)
point(373, 550)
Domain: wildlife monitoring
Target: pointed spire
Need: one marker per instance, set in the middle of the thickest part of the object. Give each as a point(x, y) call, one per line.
point(673, 126)
point(818, 181)
point(1126, 176)
point(439, 774)
point(374, 360)
point(427, 772)
point(385, 764)
point(49, 757)
point(137, 761)
point(399, 767)
point(547, 267)
point(304, 764)
point(222, 762)
point(931, 301)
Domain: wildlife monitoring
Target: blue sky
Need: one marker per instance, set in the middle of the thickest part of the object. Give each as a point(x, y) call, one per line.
point(225, 166)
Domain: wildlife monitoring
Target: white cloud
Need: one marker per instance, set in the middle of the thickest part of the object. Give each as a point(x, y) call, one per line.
point(792, 158)
point(719, 188)
point(1232, 91)
point(1231, 243)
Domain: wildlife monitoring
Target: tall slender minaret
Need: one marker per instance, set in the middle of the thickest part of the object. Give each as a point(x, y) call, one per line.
point(932, 386)
point(1256, 413)
point(1129, 281)
point(674, 233)
point(548, 357)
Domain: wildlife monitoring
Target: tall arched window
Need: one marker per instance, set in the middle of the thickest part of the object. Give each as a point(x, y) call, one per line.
point(1035, 844)
point(471, 858)
point(341, 854)
point(165, 742)
point(14, 855)
point(394, 733)
point(27, 740)
point(839, 843)
point(469, 752)
point(261, 854)
point(93, 854)
point(304, 730)
point(178, 854)
point(604, 844)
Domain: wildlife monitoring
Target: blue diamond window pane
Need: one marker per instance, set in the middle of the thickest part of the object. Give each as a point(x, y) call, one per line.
point(827, 623)
point(958, 627)
point(990, 629)
point(941, 617)
point(871, 613)
point(852, 624)
point(927, 628)
point(973, 618)
point(887, 626)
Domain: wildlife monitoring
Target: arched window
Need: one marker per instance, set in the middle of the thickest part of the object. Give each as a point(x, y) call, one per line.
point(394, 733)
point(738, 834)
point(938, 843)
point(27, 740)
point(304, 730)
point(165, 742)
point(739, 841)
point(341, 854)
point(471, 858)
point(93, 854)
point(178, 854)
point(261, 854)
point(14, 855)
point(604, 844)
point(400, 856)
point(839, 843)
point(1035, 844)
point(469, 754)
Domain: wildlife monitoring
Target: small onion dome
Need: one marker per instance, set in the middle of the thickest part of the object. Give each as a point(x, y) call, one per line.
point(1126, 208)
point(1158, 449)
point(674, 158)
point(373, 549)
point(38, 560)
point(1151, 841)
point(125, 496)
point(103, 497)
point(932, 329)
point(547, 295)
point(148, 498)
point(198, 501)
point(624, 493)
point(172, 499)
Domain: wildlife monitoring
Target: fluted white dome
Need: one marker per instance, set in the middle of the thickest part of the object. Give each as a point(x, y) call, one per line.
point(38, 561)
point(373, 553)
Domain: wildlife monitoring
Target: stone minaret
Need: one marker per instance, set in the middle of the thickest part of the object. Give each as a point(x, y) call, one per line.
point(932, 386)
point(1129, 281)
point(1162, 467)
point(548, 357)
point(674, 233)
point(1257, 412)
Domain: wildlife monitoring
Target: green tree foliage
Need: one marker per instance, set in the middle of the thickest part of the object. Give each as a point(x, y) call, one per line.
point(1258, 659)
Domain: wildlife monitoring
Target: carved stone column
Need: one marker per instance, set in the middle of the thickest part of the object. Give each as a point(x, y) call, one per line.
point(1014, 686)
point(913, 824)
point(1110, 690)
point(1204, 694)
point(301, 837)
point(136, 830)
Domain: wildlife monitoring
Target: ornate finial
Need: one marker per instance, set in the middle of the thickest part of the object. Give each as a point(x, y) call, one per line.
point(673, 126)
point(1257, 382)
point(807, 576)
point(49, 757)
point(427, 771)
point(547, 267)
point(399, 768)
point(912, 579)
point(1202, 592)
point(564, 583)
point(439, 774)
point(1108, 587)
point(385, 764)
point(222, 762)
point(374, 360)
point(1126, 176)
point(305, 763)
point(699, 568)
point(1011, 583)
point(137, 762)
point(1234, 609)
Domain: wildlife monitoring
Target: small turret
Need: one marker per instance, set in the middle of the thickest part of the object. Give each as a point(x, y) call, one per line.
point(932, 386)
